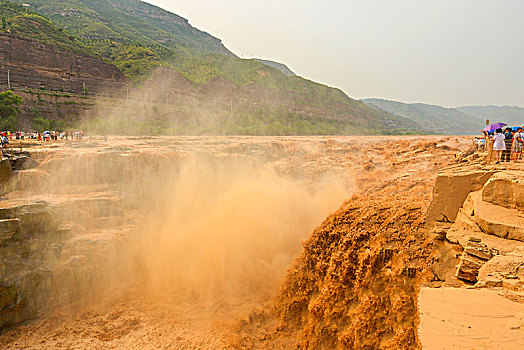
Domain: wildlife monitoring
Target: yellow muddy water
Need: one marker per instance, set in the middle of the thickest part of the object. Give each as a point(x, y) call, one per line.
point(202, 229)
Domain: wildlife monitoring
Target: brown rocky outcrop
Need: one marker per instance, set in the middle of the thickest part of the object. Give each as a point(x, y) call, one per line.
point(51, 80)
point(485, 206)
point(451, 188)
point(37, 65)
point(504, 270)
point(45, 263)
point(474, 256)
point(505, 189)
point(22, 163)
point(6, 175)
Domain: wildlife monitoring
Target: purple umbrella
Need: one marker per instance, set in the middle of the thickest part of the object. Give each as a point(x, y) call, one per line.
point(493, 127)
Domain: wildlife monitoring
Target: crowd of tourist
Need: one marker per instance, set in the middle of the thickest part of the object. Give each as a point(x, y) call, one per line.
point(46, 136)
point(507, 144)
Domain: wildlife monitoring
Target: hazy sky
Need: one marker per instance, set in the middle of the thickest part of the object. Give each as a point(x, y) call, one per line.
point(446, 52)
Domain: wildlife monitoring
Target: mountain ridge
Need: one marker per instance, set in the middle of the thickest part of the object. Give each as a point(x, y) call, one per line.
point(436, 119)
point(277, 65)
point(513, 115)
point(138, 38)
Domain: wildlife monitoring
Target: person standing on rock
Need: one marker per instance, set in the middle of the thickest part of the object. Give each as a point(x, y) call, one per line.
point(518, 141)
point(5, 141)
point(499, 144)
point(506, 154)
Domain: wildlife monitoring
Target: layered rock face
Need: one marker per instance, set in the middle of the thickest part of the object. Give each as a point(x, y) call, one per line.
point(70, 247)
point(47, 264)
point(485, 206)
point(37, 65)
point(451, 189)
point(477, 216)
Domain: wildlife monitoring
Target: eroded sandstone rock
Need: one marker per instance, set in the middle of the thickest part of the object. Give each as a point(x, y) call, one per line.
point(451, 190)
point(36, 217)
point(489, 225)
point(504, 270)
point(505, 189)
point(6, 175)
point(8, 228)
point(474, 256)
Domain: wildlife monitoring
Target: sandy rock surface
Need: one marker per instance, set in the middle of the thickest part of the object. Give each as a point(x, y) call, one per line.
point(458, 318)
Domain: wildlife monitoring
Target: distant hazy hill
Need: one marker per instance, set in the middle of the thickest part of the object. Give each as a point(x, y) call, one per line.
point(281, 67)
point(512, 115)
point(436, 119)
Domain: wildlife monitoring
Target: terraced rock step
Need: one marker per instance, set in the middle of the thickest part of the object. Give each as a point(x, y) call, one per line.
point(498, 220)
point(474, 256)
point(451, 190)
point(505, 189)
point(489, 226)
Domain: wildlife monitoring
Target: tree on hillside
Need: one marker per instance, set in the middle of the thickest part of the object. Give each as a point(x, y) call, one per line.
point(9, 110)
point(41, 124)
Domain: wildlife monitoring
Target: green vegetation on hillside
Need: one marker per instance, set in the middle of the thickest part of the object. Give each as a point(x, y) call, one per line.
point(18, 20)
point(41, 124)
point(123, 29)
point(9, 110)
point(263, 121)
point(281, 67)
point(138, 37)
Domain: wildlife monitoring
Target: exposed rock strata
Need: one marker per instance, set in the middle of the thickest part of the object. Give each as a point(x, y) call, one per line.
point(505, 189)
point(46, 264)
point(38, 65)
point(38, 70)
point(504, 271)
point(57, 252)
point(488, 224)
point(450, 191)
point(474, 256)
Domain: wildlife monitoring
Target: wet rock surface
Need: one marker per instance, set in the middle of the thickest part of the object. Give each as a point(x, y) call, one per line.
point(23, 163)
point(43, 263)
